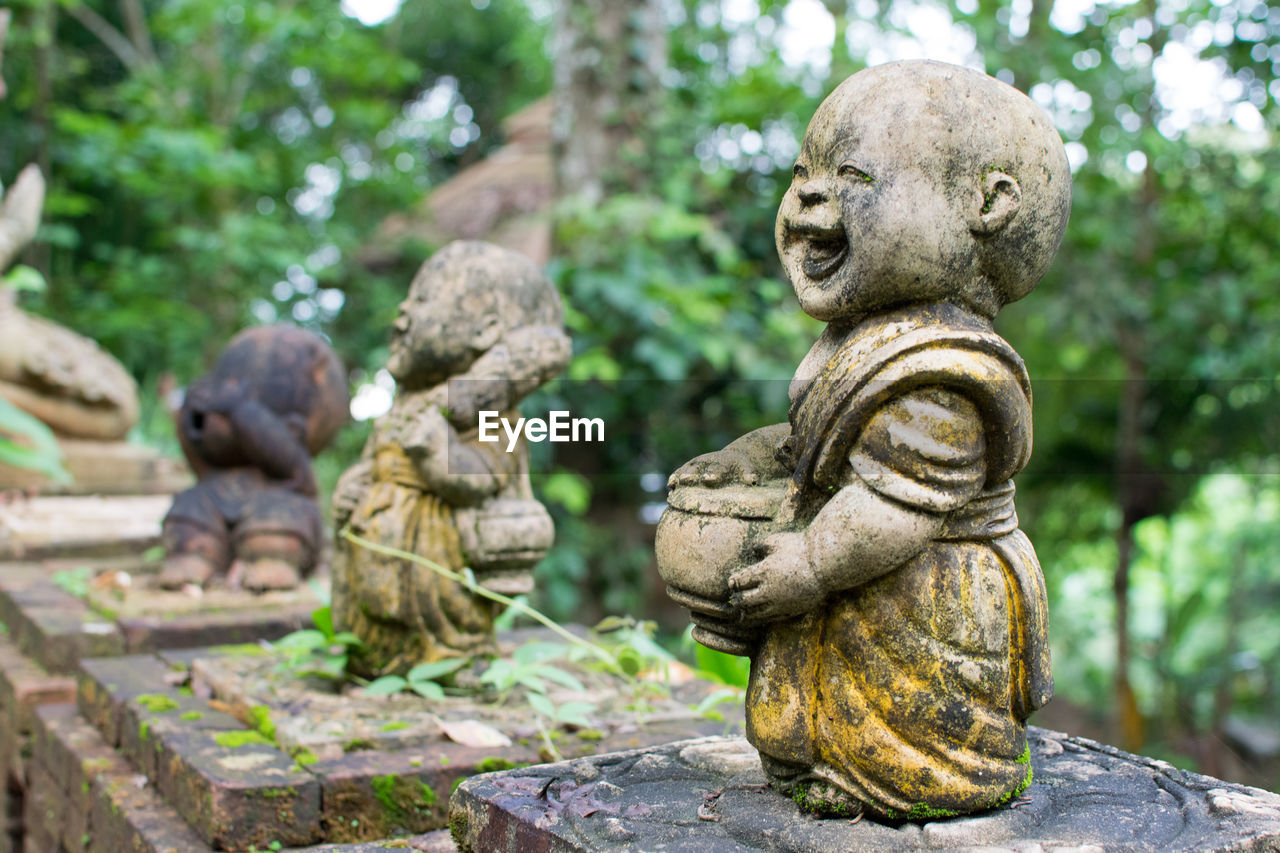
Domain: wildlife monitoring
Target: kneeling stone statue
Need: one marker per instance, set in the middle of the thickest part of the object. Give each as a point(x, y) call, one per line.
point(481, 329)
point(866, 555)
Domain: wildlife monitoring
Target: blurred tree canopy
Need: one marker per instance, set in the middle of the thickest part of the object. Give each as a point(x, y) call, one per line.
point(216, 164)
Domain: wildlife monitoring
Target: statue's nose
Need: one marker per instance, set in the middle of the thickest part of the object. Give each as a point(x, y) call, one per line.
point(811, 193)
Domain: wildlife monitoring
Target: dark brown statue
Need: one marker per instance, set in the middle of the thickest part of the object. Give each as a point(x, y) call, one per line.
point(249, 429)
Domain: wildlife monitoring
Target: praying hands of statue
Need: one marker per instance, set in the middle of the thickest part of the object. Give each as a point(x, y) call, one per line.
point(461, 472)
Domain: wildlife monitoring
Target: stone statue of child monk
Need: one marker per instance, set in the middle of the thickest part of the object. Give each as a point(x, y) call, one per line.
point(481, 329)
point(896, 613)
point(276, 396)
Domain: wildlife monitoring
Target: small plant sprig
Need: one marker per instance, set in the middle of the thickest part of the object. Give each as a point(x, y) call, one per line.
point(423, 679)
point(74, 581)
point(620, 646)
point(318, 651)
point(468, 579)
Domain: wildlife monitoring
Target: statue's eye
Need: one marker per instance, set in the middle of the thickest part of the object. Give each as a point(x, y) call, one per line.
point(799, 171)
point(848, 170)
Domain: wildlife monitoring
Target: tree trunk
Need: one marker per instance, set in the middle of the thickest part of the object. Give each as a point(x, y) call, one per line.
point(1138, 490)
point(610, 55)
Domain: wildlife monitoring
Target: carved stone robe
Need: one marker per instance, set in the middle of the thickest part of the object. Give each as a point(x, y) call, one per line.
point(910, 692)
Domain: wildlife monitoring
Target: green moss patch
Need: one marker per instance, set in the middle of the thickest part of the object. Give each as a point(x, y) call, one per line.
point(233, 740)
point(494, 763)
point(303, 756)
point(402, 798)
point(158, 702)
point(241, 650)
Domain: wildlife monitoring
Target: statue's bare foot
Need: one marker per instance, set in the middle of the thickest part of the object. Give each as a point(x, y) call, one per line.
point(824, 800)
point(183, 569)
point(268, 573)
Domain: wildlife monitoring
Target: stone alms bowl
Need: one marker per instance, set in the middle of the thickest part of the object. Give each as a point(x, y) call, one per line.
point(706, 535)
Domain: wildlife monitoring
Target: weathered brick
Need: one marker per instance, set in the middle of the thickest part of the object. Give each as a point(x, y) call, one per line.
point(25, 685)
point(147, 718)
point(43, 805)
point(234, 796)
point(193, 630)
point(106, 684)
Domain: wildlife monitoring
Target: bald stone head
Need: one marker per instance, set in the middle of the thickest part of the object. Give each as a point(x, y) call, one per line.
point(462, 302)
point(919, 182)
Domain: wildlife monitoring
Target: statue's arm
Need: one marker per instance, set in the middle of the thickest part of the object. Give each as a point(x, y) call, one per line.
point(272, 445)
point(461, 472)
point(920, 457)
point(351, 486)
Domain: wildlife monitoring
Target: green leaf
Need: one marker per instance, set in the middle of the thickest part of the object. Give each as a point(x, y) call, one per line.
point(432, 670)
point(427, 689)
point(538, 650)
point(612, 623)
point(542, 705)
point(385, 686)
point(323, 619)
point(530, 680)
point(305, 640)
point(569, 489)
point(574, 713)
point(724, 668)
point(629, 660)
point(724, 694)
point(24, 278)
point(348, 639)
point(559, 676)
point(25, 442)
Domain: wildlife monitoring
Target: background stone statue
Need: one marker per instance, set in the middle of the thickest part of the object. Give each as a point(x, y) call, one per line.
point(249, 428)
point(866, 554)
point(63, 378)
point(481, 328)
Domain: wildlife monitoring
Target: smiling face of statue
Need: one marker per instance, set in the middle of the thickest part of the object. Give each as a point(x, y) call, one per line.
point(876, 215)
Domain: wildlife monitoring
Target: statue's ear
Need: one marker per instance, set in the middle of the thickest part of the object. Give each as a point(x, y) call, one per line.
point(999, 204)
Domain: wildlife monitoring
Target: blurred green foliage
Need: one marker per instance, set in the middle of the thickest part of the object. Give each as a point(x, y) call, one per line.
point(239, 175)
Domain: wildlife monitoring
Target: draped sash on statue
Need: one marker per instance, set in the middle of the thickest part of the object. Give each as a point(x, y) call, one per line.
point(897, 690)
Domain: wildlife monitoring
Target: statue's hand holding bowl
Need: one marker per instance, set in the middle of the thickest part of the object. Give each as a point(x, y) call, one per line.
point(718, 468)
point(780, 585)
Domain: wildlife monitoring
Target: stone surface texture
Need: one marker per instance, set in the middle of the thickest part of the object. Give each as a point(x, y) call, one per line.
point(244, 753)
point(481, 328)
point(711, 796)
point(63, 378)
point(86, 798)
point(124, 611)
point(97, 468)
point(866, 554)
point(80, 526)
point(275, 397)
point(48, 631)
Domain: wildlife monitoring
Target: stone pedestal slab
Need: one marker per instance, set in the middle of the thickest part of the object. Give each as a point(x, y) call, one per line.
point(105, 468)
point(710, 796)
point(57, 628)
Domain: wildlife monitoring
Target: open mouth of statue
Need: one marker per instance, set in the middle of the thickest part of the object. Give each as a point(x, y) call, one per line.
point(823, 249)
